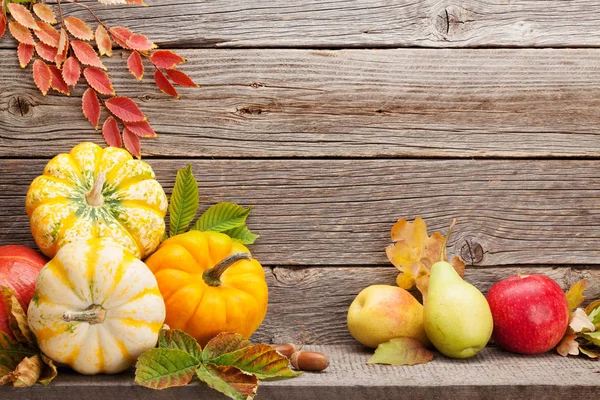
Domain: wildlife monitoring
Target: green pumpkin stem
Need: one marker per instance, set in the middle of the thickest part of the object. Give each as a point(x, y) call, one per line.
point(94, 314)
point(94, 197)
point(212, 277)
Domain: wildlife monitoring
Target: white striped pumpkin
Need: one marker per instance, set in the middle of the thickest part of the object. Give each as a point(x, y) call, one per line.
point(96, 307)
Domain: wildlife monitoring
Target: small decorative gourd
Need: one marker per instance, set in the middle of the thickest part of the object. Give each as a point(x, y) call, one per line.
point(94, 192)
point(96, 307)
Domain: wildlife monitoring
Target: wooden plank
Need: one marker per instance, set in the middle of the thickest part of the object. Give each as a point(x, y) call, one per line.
point(311, 304)
point(359, 23)
point(352, 103)
point(492, 374)
point(340, 212)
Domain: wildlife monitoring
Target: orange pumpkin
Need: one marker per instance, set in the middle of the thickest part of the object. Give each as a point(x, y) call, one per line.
point(210, 284)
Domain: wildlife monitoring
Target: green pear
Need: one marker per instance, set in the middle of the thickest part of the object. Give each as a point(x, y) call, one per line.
point(456, 316)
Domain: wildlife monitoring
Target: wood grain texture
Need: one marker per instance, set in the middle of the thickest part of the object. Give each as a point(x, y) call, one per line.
point(311, 303)
point(492, 374)
point(358, 23)
point(351, 103)
point(340, 212)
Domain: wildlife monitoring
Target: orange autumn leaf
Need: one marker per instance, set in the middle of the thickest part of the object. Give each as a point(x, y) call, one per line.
point(103, 41)
point(48, 53)
point(164, 85)
point(125, 109)
point(181, 78)
point(140, 43)
point(24, 53)
point(135, 65)
point(47, 34)
point(22, 15)
point(132, 142)
point(63, 48)
point(99, 80)
point(58, 83)
point(142, 129)
point(21, 33)
point(414, 252)
point(44, 13)
point(110, 131)
point(91, 107)
point(78, 28)
point(138, 2)
point(71, 71)
point(86, 54)
point(166, 59)
point(42, 76)
point(120, 35)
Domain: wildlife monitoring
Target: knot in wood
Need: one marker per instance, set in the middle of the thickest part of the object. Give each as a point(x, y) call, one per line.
point(250, 110)
point(20, 106)
point(453, 21)
point(290, 276)
point(472, 252)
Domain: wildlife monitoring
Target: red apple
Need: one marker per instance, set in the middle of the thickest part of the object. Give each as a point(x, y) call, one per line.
point(530, 313)
point(19, 268)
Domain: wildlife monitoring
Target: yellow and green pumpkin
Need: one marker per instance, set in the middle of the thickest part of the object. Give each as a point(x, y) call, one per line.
point(96, 307)
point(94, 192)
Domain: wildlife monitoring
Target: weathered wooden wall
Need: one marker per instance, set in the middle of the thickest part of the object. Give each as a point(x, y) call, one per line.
point(334, 119)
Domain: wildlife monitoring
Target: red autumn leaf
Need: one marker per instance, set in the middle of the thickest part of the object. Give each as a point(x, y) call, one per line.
point(21, 33)
point(22, 16)
point(71, 71)
point(140, 43)
point(142, 129)
point(138, 2)
point(164, 85)
point(24, 52)
point(181, 78)
point(63, 48)
point(103, 41)
point(42, 76)
point(125, 109)
point(132, 143)
point(110, 131)
point(47, 34)
point(44, 13)
point(120, 35)
point(48, 53)
point(78, 28)
point(136, 67)
point(166, 59)
point(91, 107)
point(58, 83)
point(2, 24)
point(86, 54)
point(99, 80)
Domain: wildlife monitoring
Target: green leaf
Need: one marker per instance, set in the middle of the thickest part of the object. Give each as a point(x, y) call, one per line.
point(165, 368)
point(242, 234)
point(49, 371)
point(593, 311)
point(593, 337)
point(575, 294)
point(222, 217)
point(183, 204)
point(223, 343)
point(260, 359)
point(230, 381)
point(176, 339)
point(17, 320)
point(28, 371)
point(591, 353)
point(12, 352)
point(401, 351)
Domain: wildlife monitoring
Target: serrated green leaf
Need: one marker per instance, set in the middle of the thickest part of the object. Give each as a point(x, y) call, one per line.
point(230, 381)
point(176, 339)
point(242, 234)
point(17, 320)
point(401, 351)
point(183, 204)
point(224, 343)
point(28, 371)
point(593, 311)
point(12, 352)
point(165, 368)
point(222, 217)
point(575, 294)
point(260, 359)
point(49, 371)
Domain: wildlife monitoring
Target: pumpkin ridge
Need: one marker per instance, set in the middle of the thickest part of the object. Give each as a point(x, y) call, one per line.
point(124, 228)
point(59, 270)
point(68, 184)
point(92, 259)
point(187, 323)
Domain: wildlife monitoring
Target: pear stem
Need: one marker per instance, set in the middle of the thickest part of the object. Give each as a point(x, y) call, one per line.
point(519, 273)
point(444, 254)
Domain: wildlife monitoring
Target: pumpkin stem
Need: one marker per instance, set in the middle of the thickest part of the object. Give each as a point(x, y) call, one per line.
point(94, 197)
point(212, 277)
point(94, 314)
